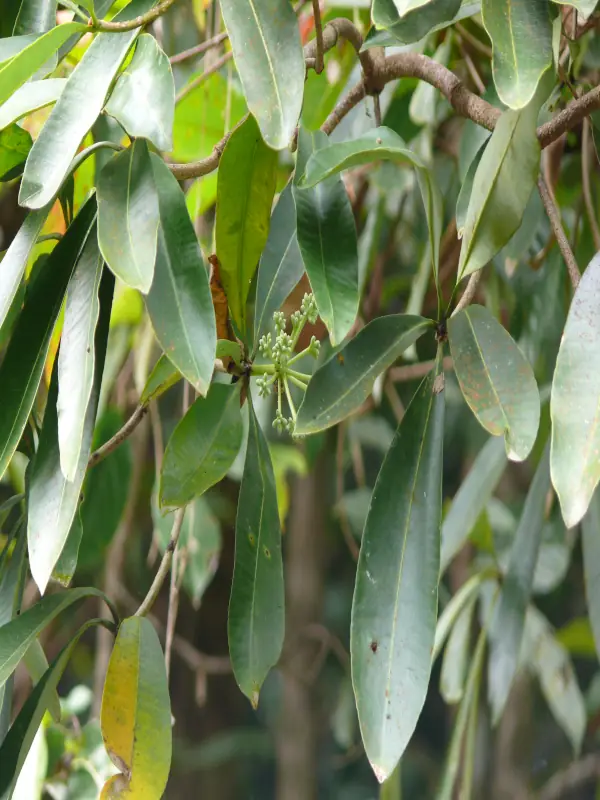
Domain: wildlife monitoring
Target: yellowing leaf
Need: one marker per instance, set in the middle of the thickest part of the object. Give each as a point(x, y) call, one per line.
point(136, 714)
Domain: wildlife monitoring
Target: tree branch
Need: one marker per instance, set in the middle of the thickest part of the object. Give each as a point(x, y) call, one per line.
point(189, 87)
point(318, 36)
point(574, 776)
point(553, 213)
point(137, 22)
point(199, 49)
point(164, 567)
point(119, 437)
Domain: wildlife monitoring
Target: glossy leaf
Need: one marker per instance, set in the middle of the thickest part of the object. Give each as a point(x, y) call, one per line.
point(128, 216)
point(381, 144)
point(584, 7)
point(575, 402)
point(507, 628)
point(464, 196)
point(23, 363)
point(416, 24)
point(136, 713)
point(35, 16)
point(13, 574)
point(30, 97)
point(148, 75)
point(268, 55)
point(77, 355)
point(246, 187)
point(344, 382)
point(590, 530)
point(395, 598)
point(256, 609)
point(76, 111)
point(15, 259)
point(456, 655)
point(521, 34)
point(472, 497)
point(179, 301)
point(202, 447)
point(496, 379)
point(65, 567)
point(502, 186)
point(326, 234)
point(163, 376)
point(15, 144)
point(281, 265)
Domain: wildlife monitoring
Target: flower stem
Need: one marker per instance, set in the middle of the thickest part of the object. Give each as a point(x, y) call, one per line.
point(298, 383)
point(298, 356)
point(262, 369)
point(288, 394)
point(301, 376)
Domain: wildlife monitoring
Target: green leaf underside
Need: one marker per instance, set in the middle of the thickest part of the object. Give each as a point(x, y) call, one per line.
point(202, 447)
point(30, 97)
point(344, 382)
point(508, 624)
point(496, 379)
point(35, 16)
point(246, 187)
point(23, 364)
point(267, 49)
point(456, 656)
point(575, 401)
point(179, 302)
point(256, 607)
point(395, 598)
point(163, 376)
point(415, 23)
point(584, 7)
point(128, 216)
point(521, 34)
point(76, 111)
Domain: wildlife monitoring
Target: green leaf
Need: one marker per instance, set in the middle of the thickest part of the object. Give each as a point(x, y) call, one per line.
point(65, 567)
point(281, 265)
point(521, 34)
point(395, 598)
point(35, 16)
point(344, 382)
point(575, 401)
point(53, 499)
point(456, 655)
point(26, 62)
point(163, 376)
point(15, 144)
point(496, 379)
point(20, 737)
point(472, 497)
point(466, 190)
point(13, 574)
point(77, 356)
point(326, 234)
point(76, 111)
point(584, 7)
point(128, 216)
point(256, 608)
point(590, 529)
point(148, 75)
point(23, 364)
point(416, 24)
point(246, 187)
point(268, 55)
point(136, 713)
point(382, 144)
point(30, 97)
point(228, 349)
point(36, 664)
point(179, 302)
point(506, 632)
point(17, 635)
point(202, 447)
point(502, 186)
point(16, 258)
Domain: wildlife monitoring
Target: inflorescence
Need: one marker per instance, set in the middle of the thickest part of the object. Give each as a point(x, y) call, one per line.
point(278, 375)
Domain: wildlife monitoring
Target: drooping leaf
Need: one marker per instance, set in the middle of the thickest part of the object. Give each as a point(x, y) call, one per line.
point(35, 16)
point(395, 598)
point(65, 567)
point(136, 713)
point(148, 75)
point(456, 655)
point(76, 111)
point(464, 197)
point(590, 530)
point(344, 382)
point(202, 447)
point(574, 404)
point(15, 144)
point(521, 34)
point(53, 499)
point(256, 607)
point(163, 376)
point(382, 144)
point(23, 363)
point(13, 573)
point(281, 265)
point(30, 97)
point(502, 186)
point(268, 55)
point(128, 216)
point(326, 233)
point(246, 187)
point(416, 24)
point(496, 379)
point(77, 355)
point(506, 632)
point(179, 302)
point(472, 497)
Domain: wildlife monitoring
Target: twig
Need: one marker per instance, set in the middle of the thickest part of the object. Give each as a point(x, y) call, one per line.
point(199, 49)
point(119, 437)
point(574, 776)
point(319, 36)
point(555, 221)
point(165, 565)
point(136, 22)
point(196, 169)
point(394, 400)
point(412, 372)
point(469, 292)
point(352, 99)
point(189, 87)
point(377, 110)
point(586, 169)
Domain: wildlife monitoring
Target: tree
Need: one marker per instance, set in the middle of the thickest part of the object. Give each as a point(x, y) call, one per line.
point(317, 255)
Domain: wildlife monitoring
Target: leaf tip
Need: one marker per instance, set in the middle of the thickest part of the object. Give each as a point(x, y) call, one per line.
point(381, 773)
point(254, 698)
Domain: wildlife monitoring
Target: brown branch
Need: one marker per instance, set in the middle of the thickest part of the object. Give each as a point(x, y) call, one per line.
point(189, 87)
point(136, 22)
point(586, 169)
point(412, 372)
point(199, 49)
point(164, 567)
point(319, 36)
point(574, 776)
point(352, 99)
point(469, 293)
point(119, 437)
point(553, 213)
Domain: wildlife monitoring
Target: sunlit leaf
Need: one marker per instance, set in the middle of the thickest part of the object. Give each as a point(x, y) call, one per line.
point(30, 97)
